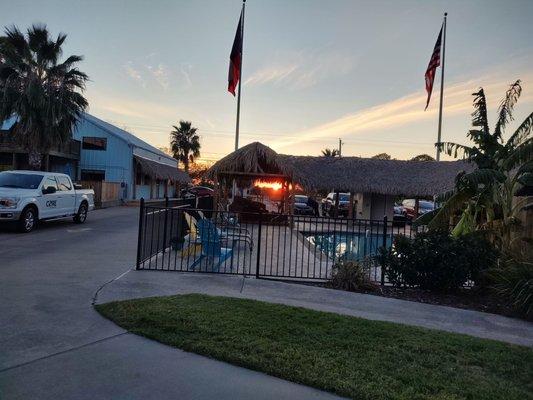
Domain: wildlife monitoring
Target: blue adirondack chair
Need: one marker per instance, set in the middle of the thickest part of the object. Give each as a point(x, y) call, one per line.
point(212, 246)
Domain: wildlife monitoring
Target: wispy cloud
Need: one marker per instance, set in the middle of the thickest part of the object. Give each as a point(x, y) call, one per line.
point(161, 74)
point(408, 110)
point(185, 70)
point(303, 69)
point(134, 73)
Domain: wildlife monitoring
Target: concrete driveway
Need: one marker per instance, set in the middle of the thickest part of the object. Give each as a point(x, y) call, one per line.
point(53, 345)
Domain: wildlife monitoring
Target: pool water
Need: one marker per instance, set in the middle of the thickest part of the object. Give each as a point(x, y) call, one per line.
point(351, 246)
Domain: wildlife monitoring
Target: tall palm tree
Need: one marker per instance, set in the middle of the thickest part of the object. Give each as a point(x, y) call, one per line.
point(485, 196)
point(330, 152)
point(185, 143)
point(43, 93)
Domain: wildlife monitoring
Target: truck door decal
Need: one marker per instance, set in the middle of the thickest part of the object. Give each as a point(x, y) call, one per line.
point(51, 203)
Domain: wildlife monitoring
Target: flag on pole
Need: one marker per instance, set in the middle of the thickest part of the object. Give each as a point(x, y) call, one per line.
point(434, 62)
point(235, 60)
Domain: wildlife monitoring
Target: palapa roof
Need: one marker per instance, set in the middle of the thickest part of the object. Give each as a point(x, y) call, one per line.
point(350, 174)
point(162, 171)
point(253, 160)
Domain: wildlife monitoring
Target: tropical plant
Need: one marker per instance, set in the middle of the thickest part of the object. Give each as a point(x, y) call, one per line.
point(484, 198)
point(382, 156)
point(43, 93)
point(513, 280)
point(330, 152)
point(185, 143)
point(422, 157)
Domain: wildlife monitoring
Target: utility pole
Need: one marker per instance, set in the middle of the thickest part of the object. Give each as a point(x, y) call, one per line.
point(340, 147)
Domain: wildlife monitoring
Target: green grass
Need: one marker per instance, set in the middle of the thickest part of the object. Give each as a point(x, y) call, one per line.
point(349, 356)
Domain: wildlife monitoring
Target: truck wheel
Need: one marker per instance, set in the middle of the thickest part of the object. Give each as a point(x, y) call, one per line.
point(81, 216)
point(28, 220)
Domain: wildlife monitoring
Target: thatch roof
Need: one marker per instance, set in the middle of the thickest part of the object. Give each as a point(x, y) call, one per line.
point(252, 160)
point(162, 171)
point(350, 174)
point(369, 175)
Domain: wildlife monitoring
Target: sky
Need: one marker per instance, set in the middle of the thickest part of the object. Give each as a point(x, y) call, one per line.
point(313, 71)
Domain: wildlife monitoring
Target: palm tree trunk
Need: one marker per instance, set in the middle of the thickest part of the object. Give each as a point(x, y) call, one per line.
point(35, 160)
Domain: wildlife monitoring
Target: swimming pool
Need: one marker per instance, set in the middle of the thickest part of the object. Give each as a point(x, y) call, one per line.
point(351, 246)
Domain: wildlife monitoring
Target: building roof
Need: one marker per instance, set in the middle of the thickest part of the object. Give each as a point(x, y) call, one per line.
point(125, 135)
point(162, 171)
point(353, 174)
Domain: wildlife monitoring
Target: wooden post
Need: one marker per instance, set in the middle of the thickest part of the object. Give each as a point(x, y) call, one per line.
point(417, 208)
point(350, 210)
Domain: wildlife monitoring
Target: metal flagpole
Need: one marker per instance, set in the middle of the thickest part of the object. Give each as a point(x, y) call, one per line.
point(441, 86)
point(240, 80)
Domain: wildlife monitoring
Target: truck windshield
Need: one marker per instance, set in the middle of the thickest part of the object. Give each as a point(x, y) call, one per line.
point(20, 181)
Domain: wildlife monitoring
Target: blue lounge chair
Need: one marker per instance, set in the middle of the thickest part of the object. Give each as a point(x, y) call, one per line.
point(212, 246)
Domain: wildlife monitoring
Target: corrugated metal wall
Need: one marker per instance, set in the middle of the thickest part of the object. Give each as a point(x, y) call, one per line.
point(116, 161)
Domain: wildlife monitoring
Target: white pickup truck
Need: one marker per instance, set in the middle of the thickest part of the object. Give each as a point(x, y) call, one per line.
point(29, 196)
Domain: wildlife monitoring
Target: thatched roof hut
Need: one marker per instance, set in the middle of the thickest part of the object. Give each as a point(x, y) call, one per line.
point(350, 174)
point(368, 175)
point(250, 162)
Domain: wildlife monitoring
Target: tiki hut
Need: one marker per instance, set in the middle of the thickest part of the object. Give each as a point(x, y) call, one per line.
point(373, 184)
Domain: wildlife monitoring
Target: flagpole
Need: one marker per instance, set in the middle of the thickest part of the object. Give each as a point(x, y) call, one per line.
point(441, 87)
point(240, 80)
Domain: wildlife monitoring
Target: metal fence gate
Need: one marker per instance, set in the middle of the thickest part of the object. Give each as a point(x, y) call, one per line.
point(176, 237)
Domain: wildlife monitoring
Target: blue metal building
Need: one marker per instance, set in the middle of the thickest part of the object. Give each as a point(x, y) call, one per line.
point(111, 154)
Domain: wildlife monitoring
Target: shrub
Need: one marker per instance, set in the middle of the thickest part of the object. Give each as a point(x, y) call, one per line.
point(351, 276)
point(436, 261)
point(513, 280)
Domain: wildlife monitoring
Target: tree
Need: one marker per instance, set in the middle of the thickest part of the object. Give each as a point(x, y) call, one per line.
point(485, 197)
point(330, 152)
point(185, 143)
point(422, 157)
point(44, 93)
point(382, 156)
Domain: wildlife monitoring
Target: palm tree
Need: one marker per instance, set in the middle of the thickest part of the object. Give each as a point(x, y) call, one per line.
point(330, 153)
point(185, 143)
point(485, 196)
point(44, 93)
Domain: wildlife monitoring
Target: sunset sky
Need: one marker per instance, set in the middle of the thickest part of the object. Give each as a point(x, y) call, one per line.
point(313, 71)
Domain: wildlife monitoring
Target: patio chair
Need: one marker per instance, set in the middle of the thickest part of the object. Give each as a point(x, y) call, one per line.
point(233, 232)
point(212, 246)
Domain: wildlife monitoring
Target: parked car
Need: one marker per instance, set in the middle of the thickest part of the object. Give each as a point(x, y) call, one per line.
point(196, 191)
point(301, 205)
point(29, 196)
point(328, 204)
point(424, 206)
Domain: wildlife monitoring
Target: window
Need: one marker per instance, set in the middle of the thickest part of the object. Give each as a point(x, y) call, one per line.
point(64, 183)
point(94, 143)
point(92, 175)
point(49, 182)
point(20, 181)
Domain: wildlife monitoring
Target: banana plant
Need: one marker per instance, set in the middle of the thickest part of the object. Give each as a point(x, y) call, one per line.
point(485, 197)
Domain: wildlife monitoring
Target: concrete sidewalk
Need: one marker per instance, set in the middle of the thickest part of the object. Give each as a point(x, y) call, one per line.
point(484, 325)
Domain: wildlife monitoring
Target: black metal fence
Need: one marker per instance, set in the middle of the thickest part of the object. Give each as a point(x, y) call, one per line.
point(176, 237)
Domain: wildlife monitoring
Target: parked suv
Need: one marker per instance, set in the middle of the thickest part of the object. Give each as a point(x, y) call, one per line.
point(328, 204)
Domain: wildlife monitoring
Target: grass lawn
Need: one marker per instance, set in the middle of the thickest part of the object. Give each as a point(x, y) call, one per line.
point(349, 356)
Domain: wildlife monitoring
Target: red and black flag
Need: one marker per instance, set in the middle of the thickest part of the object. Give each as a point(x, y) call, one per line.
point(434, 62)
point(235, 59)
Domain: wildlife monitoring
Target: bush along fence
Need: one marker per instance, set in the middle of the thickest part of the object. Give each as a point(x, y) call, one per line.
point(176, 237)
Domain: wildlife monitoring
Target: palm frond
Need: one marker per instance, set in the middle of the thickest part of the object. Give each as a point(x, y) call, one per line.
point(505, 111)
point(483, 177)
point(455, 149)
point(520, 155)
point(521, 134)
point(479, 116)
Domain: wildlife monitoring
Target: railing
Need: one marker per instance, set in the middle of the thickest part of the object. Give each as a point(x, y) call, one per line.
point(70, 149)
point(180, 238)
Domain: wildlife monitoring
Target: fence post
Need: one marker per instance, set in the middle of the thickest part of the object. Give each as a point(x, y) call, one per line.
point(165, 226)
point(139, 237)
point(384, 247)
point(258, 245)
